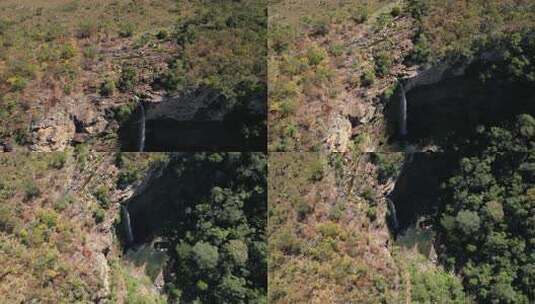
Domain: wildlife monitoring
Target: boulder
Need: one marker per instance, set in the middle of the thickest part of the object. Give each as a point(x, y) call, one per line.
point(53, 133)
point(339, 134)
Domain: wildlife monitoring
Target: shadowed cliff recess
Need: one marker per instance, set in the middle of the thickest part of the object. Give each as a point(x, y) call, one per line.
point(207, 212)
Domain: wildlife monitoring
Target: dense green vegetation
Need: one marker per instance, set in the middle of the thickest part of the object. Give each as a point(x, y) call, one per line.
point(456, 30)
point(218, 245)
point(222, 47)
point(514, 58)
point(486, 226)
point(428, 283)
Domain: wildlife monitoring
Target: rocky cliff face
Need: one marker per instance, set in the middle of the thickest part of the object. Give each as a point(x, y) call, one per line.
point(74, 120)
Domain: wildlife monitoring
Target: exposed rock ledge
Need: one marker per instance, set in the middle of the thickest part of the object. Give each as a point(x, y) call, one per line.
point(74, 118)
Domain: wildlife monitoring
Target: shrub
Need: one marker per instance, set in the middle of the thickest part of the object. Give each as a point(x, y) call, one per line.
point(31, 190)
point(103, 197)
point(288, 107)
point(319, 28)
point(315, 170)
point(128, 78)
point(54, 31)
point(396, 11)
point(58, 160)
point(126, 29)
point(174, 79)
point(48, 217)
point(336, 212)
point(21, 68)
point(323, 251)
point(142, 40)
point(418, 8)
point(127, 177)
point(316, 55)
point(81, 152)
point(85, 29)
point(302, 208)
point(21, 136)
point(336, 49)
point(107, 88)
point(99, 214)
point(8, 220)
point(287, 242)
point(90, 52)
point(120, 160)
point(329, 230)
point(323, 75)
point(383, 63)
point(123, 112)
point(294, 65)
point(353, 80)
point(422, 52)
point(371, 213)
point(162, 34)
point(67, 88)
point(360, 15)
point(388, 166)
point(17, 83)
point(67, 51)
point(367, 78)
point(280, 37)
point(382, 21)
point(368, 194)
point(63, 203)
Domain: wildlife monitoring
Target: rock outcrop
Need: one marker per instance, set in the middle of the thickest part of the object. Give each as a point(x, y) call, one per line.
point(75, 119)
point(54, 133)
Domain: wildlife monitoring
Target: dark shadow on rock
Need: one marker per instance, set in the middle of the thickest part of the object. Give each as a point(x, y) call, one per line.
point(199, 121)
point(448, 113)
point(418, 188)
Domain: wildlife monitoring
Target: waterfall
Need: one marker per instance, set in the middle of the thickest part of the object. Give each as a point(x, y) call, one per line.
point(127, 225)
point(393, 215)
point(403, 112)
point(142, 128)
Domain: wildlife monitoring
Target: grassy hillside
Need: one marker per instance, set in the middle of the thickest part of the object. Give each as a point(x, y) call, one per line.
point(50, 50)
point(56, 216)
point(328, 235)
point(61, 228)
point(67, 56)
point(333, 65)
point(322, 68)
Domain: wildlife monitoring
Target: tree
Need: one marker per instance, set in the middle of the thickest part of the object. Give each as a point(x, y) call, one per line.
point(468, 222)
point(219, 239)
point(205, 255)
point(486, 218)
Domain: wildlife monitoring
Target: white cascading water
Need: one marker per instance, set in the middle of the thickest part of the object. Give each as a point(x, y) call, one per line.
point(403, 112)
point(127, 225)
point(393, 215)
point(142, 129)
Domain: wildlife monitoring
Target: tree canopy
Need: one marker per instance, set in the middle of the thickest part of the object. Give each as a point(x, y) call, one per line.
point(219, 245)
point(487, 227)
